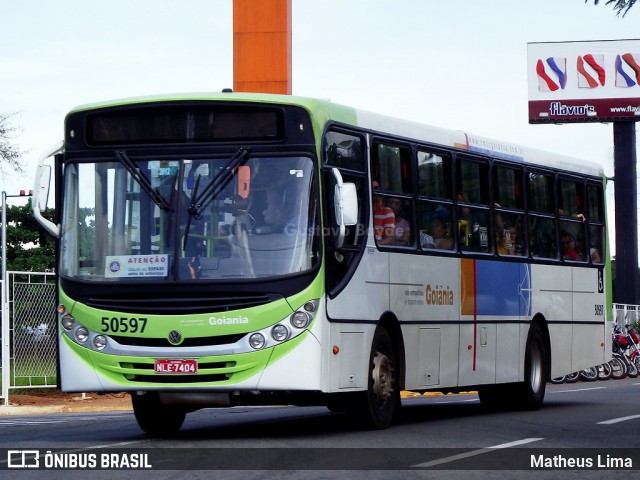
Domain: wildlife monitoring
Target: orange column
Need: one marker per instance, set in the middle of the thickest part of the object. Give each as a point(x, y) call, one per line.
point(262, 46)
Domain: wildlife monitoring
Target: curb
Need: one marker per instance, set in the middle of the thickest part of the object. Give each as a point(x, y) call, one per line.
point(8, 410)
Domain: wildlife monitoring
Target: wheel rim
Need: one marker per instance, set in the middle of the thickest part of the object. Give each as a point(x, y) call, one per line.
point(382, 378)
point(617, 367)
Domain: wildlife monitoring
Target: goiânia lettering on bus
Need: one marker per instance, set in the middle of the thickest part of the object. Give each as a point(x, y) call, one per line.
point(228, 320)
point(439, 295)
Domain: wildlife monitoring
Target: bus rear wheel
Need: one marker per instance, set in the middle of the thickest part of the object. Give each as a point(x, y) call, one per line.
point(154, 417)
point(381, 401)
point(535, 371)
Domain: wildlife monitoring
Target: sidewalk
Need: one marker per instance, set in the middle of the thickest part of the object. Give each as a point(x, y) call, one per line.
point(54, 401)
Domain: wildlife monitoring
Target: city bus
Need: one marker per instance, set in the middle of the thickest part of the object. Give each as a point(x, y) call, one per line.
point(229, 249)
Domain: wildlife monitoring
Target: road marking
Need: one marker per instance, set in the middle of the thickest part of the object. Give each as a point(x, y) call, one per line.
point(577, 390)
point(458, 401)
point(30, 422)
point(474, 453)
point(618, 420)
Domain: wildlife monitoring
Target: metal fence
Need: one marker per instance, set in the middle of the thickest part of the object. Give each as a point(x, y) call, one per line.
point(626, 314)
point(28, 340)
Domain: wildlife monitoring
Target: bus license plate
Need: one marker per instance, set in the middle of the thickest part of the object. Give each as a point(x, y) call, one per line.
point(176, 366)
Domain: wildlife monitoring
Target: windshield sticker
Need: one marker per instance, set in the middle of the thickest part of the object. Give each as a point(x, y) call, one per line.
point(129, 266)
point(163, 168)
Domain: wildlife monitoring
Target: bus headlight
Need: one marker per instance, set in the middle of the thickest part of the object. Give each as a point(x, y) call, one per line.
point(300, 319)
point(99, 342)
point(68, 322)
point(82, 334)
point(279, 333)
point(257, 341)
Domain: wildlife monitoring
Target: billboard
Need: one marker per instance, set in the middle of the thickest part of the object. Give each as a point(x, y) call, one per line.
point(584, 81)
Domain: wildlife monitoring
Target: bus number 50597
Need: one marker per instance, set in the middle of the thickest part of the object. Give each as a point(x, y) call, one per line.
point(123, 325)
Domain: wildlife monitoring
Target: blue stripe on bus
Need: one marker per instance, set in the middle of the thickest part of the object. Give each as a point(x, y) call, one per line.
point(503, 288)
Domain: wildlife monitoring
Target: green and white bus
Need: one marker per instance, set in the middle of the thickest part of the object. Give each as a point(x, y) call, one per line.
point(231, 249)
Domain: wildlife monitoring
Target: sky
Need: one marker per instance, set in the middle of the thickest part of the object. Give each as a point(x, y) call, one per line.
point(459, 65)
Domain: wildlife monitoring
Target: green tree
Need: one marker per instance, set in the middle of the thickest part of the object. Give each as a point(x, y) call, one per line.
point(9, 154)
point(621, 6)
point(29, 247)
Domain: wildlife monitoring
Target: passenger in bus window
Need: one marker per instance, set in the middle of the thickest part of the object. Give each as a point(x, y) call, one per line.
point(595, 235)
point(441, 234)
point(470, 227)
point(402, 232)
point(516, 243)
point(541, 239)
point(568, 246)
point(504, 245)
point(426, 240)
point(384, 220)
point(508, 240)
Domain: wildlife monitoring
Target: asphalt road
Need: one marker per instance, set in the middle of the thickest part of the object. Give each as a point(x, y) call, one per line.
point(584, 430)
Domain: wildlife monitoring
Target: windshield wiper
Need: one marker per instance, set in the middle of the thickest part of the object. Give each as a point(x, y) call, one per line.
point(201, 200)
point(143, 181)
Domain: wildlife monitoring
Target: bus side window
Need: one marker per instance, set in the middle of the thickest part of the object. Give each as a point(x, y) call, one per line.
point(543, 241)
point(595, 219)
point(434, 175)
point(343, 150)
point(473, 206)
point(392, 199)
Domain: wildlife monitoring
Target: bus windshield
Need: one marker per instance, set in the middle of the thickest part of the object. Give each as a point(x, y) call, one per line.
point(196, 219)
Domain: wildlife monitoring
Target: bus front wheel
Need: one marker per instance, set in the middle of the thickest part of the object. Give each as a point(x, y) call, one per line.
point(381, 401)
point(154, 417)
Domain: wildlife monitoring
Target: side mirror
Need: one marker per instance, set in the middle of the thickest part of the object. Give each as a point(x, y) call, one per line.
point(41, 190)
point(41, 193)
point(345, 203)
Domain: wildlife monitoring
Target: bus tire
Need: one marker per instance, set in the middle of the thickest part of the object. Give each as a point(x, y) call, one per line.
point(154, 417)
point(536, 364)
point(380, 403)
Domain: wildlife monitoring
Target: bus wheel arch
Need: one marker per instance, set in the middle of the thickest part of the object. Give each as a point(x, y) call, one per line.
point(391, 324)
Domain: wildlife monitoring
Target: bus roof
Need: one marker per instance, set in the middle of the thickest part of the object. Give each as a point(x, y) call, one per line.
point(325, 110)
